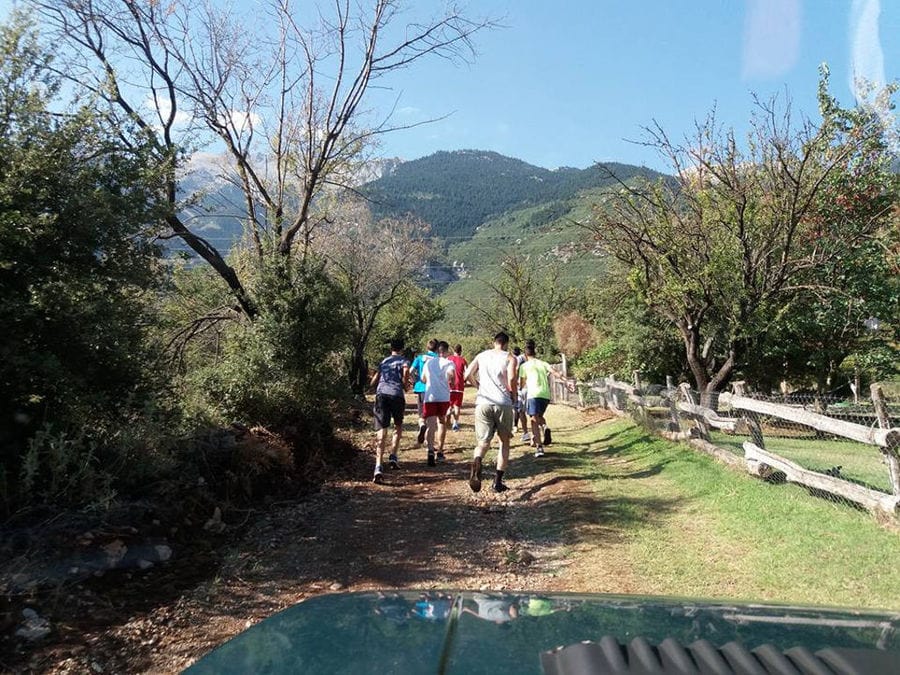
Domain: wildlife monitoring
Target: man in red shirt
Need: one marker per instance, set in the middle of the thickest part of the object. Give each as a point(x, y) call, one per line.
point(457, 386)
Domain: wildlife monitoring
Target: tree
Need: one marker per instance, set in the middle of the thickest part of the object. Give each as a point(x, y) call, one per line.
point(77, 271)
point(727, 245)
point(524, 299)
point(377, 265)
point(285, 100)
point(629, 335)
point(574, 334)
point(410, 318)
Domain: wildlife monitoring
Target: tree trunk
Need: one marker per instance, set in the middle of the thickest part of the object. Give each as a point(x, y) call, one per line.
point(359, 371)
point(217, 262)
point(692, 349)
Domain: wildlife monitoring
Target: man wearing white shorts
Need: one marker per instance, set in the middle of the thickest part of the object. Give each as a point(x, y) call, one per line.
point(494, 372)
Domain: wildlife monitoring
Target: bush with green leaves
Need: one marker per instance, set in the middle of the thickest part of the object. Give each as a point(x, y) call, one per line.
point(284, 364)
point(77, 273)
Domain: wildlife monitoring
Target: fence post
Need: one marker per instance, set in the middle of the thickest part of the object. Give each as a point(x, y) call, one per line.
point(700, 423)
point(751, 418)
point(674, 424)
point(891, 451)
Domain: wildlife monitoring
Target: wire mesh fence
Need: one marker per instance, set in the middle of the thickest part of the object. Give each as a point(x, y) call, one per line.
point(844, 448)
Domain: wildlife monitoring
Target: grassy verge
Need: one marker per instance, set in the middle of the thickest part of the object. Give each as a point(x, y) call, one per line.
point(724, 535)
point(859, 462)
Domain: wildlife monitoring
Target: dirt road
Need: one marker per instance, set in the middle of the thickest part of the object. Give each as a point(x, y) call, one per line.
point(423, 528)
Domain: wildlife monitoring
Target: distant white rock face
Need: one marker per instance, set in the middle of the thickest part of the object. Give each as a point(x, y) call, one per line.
point(207, 171)
point(213, 202)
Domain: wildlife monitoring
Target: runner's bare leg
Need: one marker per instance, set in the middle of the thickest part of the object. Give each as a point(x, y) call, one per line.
point(431, 425)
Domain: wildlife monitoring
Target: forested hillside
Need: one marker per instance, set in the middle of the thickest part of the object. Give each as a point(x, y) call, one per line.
point(458, 191)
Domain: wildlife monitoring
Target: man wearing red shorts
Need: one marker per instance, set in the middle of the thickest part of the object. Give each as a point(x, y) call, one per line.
point(437, 375)
point(457, 386)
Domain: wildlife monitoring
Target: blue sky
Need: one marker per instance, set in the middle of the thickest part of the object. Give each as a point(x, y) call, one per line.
point(573, 82)
point(569, 83)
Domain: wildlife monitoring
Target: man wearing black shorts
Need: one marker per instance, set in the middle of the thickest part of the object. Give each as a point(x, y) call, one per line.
point(390, 381)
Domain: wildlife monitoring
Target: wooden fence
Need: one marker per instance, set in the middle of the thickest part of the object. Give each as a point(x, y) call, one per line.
point(676, 413)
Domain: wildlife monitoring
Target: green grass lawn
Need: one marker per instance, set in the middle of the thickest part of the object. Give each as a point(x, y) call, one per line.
point(698, 529)
point(858, 461)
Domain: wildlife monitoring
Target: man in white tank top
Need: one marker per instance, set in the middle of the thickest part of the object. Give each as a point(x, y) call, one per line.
point(494, 372)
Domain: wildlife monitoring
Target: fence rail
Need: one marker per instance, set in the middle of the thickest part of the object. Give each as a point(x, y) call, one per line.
point(825, 445)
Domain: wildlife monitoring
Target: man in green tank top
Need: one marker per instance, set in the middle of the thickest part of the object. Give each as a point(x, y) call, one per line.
point(534, 375)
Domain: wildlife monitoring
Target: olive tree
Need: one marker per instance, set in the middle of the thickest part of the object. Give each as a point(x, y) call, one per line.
point(727, 244)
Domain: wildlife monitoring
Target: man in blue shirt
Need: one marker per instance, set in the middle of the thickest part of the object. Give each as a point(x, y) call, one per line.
point(391, 381)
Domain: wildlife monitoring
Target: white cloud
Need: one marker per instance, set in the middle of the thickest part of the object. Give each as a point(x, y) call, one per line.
point(867, 57)
point(771, 38)
point(163, 106)
point(867, 76)
point(243, 120)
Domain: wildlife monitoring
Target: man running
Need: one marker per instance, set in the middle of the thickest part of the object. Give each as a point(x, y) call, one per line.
point(534, 375)
point(458, 385)
point(493, 371)
point(390, 381)
point(417, 368)
point(437, 376)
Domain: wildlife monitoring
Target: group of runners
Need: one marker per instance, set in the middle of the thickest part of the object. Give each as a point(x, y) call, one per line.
point(512, 387)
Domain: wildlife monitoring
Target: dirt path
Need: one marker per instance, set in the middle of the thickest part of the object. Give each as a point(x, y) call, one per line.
point(422, 529)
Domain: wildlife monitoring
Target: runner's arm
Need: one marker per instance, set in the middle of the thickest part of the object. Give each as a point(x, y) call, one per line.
point(512, 368)
point(375, 378)
point(405, 378)
point(470, 373)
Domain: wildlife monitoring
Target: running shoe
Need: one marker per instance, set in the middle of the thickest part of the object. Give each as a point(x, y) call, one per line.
point(392, 462)
point(475, 475)
point(526, 437)
point(455, 426)
point(431, 461)
point(421, 437)
point(548, 439)
point(378, 477)
point(539, 452)
point(440, 457)
point(499, 487)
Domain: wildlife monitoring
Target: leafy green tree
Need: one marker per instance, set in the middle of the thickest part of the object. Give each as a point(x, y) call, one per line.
point(728, 245)
point(630, 336)
point(376, 265)
point(77, 269)
point(523, 299)
point(410, 318)
point(284, 367)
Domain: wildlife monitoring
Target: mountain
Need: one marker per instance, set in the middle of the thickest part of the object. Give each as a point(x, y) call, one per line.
point(216, 206)
point(482, 206)
point(458, 191)
point(547, 236)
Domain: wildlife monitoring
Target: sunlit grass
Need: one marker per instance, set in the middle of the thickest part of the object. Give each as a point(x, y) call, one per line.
point(726, 535)
point(857, 461)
